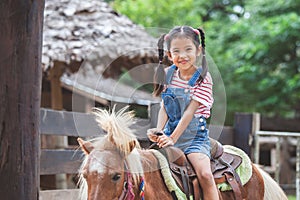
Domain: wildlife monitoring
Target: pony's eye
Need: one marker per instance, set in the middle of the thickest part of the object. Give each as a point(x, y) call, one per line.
point(116, 177)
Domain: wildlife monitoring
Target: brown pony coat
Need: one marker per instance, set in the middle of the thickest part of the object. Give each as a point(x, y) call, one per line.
point(155, 187)
point(102, 179)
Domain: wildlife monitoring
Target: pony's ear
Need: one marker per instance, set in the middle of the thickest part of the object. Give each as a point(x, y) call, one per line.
point(86, 147)
point(127, 149)
point(132, 145)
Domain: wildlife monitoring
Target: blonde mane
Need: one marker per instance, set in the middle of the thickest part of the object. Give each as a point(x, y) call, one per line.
point(119, 137)
point(117, 124)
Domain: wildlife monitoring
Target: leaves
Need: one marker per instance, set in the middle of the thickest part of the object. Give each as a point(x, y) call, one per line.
point(255, 44)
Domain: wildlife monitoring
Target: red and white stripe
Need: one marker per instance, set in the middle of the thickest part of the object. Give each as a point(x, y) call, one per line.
point(200, 92)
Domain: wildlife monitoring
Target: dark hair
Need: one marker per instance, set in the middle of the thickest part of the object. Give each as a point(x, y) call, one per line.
point(196, 35)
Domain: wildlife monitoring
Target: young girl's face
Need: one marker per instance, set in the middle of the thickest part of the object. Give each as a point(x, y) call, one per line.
point(183, 53)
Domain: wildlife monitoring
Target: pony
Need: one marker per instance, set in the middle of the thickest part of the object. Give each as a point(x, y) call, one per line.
point(115, 167)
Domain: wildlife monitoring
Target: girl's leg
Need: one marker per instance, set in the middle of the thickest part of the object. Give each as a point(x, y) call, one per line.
point(201, 164)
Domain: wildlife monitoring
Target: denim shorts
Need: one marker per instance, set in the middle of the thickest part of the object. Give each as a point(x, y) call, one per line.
point(195, 138)
point(199, 146)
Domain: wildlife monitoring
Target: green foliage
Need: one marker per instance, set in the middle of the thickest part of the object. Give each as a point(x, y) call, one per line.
point(152, 13)
point(267, 60)
point(290, 197)
point(255, 44)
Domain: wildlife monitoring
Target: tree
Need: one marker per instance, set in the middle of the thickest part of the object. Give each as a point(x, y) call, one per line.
point(255, 45)
point(20, 85)
point(262, 53)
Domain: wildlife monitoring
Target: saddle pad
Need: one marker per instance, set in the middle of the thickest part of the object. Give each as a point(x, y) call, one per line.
point(167, 176)
point(244, 170)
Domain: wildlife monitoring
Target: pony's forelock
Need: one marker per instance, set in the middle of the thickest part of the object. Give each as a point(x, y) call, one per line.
point(117, 124)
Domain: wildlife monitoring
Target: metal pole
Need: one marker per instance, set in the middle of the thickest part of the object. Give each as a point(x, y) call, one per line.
point(256, 148)
point(277, 166)
point(298, 169)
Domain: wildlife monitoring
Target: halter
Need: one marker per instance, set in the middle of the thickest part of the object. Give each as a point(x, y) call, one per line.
point(127, 193)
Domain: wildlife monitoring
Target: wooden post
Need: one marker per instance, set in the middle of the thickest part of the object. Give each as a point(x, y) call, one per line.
point(20, 90)
point(57, 104)
point(245, 126)
point(153, 114)
point(56, 91)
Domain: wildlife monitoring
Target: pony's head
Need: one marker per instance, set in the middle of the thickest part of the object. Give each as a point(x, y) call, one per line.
point(109, 158)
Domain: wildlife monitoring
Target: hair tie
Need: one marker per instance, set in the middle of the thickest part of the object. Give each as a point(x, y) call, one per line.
point(196, 31)
point(166, 37)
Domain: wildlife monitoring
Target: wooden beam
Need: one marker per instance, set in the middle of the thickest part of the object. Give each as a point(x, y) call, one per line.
point(20, 90)
point(55, 74)
point(60, 161)
point(64, 123)
point(56, 90)
point(88, 95)
point(59, 194)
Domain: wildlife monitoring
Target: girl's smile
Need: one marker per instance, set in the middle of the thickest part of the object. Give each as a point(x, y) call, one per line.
point(183, 54)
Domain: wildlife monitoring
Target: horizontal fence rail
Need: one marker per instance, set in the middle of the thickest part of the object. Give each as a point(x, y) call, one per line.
point(64, 123)
point(63, 194)
point(60, 161)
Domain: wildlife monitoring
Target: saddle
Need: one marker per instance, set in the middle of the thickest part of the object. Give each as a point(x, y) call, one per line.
point(223, 167)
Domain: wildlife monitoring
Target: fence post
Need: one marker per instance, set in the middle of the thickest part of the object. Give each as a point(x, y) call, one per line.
point(153, 114)
point(245, 125)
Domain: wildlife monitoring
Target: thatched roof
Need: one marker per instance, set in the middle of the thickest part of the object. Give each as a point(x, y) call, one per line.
point(73, 29)
point(91, 31)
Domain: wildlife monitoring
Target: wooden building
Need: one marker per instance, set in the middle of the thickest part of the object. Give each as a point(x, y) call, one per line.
point(86, 47)
point(90, 53)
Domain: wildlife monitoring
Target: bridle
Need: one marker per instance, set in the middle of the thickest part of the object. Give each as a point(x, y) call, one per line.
point(127, 192)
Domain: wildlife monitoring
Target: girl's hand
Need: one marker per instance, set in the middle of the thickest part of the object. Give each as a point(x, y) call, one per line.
point(152, 134)
point(164, 141)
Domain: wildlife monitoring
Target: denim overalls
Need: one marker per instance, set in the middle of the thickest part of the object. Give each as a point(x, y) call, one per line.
point(195, 137)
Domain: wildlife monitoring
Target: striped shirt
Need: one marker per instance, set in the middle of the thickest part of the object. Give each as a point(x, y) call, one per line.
point(200, 92)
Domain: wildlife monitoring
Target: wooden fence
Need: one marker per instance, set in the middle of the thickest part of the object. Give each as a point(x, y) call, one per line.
point(67, 161)
point(262, 137)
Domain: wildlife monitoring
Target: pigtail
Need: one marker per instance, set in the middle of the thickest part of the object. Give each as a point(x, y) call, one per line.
point(160, 75)
point(204, 62)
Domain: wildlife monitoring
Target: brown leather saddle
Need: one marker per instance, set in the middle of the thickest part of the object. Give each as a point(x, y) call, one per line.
point(223, 167)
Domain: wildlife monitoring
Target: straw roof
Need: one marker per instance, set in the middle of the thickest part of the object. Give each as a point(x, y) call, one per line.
point(73, 29)
point(90, 33)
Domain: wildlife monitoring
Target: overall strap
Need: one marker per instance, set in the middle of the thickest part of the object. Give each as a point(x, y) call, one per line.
point(191, 82)
point(170, 73)
point(195, 77)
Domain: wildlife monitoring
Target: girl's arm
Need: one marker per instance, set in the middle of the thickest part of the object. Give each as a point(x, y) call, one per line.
point(161, 122)
point(188, 114)
point(162, 117)
point(185, 120)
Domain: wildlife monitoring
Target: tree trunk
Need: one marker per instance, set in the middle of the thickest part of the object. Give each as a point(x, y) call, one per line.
point(21, 24)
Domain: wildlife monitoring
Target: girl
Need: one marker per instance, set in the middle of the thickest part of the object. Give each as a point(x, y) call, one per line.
point(186, 92)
